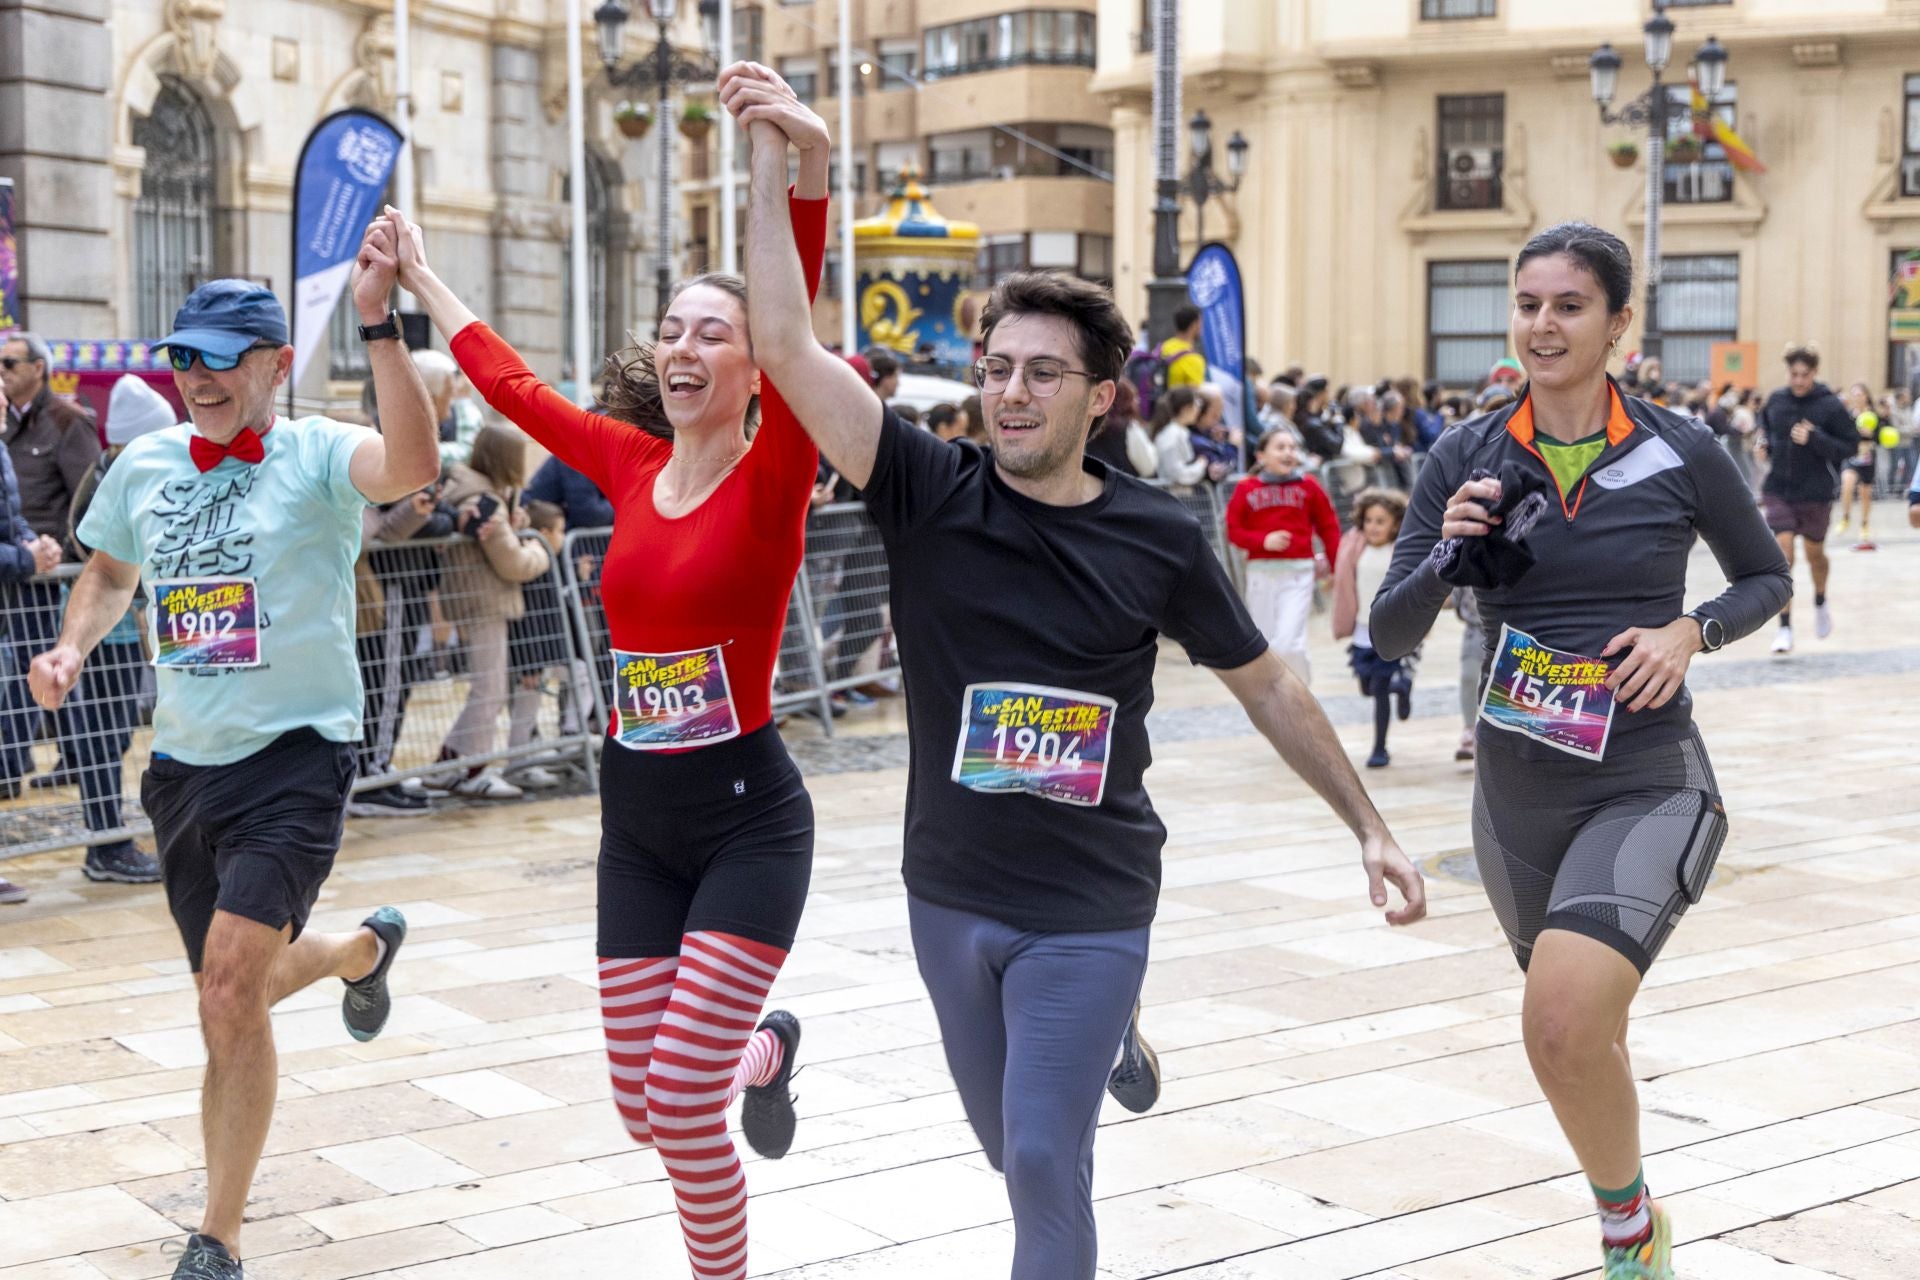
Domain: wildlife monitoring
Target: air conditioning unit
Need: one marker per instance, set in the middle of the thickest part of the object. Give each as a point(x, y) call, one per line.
point(1470, 176)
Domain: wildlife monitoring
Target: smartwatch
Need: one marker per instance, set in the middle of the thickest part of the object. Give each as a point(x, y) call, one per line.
point(388, 328)
point(1713, 633)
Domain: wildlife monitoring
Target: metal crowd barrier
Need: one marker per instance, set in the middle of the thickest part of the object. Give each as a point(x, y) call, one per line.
point(71, 777)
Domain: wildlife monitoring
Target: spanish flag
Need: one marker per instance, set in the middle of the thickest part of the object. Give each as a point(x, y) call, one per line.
point(1711, 128)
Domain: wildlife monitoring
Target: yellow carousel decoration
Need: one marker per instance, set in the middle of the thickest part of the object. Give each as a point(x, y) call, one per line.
point(915, 267)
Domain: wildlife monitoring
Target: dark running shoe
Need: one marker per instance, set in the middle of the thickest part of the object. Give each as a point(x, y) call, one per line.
point(11, 892)
point(1135, 1082)
point(766, 1117)
point(205, 1258)
point(366, 1004)
point(392, 801)
point(123, 863)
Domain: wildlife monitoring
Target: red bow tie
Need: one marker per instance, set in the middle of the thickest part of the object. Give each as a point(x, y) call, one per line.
point(246, 446)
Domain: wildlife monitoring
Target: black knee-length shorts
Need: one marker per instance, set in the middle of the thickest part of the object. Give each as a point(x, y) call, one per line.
point(717, 839)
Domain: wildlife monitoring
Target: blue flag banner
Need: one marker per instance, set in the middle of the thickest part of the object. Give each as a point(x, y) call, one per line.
point(9, 262)
point(1213, 283)
point(337, 189)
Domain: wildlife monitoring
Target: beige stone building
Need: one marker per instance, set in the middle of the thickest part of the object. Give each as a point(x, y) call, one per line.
point(154, 144)
point(1403, 150)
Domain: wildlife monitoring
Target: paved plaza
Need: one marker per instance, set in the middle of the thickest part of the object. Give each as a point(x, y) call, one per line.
point(1341, 1100)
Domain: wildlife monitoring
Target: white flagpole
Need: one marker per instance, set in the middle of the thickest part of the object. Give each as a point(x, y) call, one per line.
point(577, 189)
point(403, 192)
point(849, 334)
point(729, 241)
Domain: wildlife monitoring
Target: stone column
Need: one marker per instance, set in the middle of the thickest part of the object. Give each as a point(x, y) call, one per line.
point(526, 251)
point(55, 141)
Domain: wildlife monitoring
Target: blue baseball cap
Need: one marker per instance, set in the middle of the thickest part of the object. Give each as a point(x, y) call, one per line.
point(228, 316)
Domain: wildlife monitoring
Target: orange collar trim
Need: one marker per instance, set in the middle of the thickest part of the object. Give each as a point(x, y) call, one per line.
point(1619, 425)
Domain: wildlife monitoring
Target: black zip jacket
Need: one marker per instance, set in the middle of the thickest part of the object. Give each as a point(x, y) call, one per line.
point(1612, 555)
point(1807, 472)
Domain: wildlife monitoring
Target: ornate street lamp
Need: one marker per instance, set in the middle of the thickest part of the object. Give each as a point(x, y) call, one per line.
point(1654, 110)
point(661, 71)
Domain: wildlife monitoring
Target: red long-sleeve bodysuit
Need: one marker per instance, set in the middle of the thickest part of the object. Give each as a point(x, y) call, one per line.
point(718, 577)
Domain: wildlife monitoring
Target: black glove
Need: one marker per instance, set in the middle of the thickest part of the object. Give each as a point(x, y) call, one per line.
point(1499, 558)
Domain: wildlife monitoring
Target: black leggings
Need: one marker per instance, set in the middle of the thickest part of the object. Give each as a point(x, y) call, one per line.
point(717, 839)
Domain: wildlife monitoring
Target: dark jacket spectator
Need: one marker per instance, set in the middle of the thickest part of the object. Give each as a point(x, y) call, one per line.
point(54, 446)
point(584, 505)
point(16, 549)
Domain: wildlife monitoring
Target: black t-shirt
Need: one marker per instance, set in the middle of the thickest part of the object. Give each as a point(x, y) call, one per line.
point(1032, 628)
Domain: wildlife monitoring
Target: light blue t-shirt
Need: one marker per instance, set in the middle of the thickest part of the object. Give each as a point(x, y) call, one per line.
point(291, 524)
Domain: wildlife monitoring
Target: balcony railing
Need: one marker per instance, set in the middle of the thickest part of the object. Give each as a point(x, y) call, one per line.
point(964, 67)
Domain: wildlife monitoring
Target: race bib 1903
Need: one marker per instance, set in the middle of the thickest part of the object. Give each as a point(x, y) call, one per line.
point(670, 700)
point(1051, 743)
point(205, 622)
point(1557, 698)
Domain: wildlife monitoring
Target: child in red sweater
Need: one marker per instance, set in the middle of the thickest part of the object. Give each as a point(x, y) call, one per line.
point(1273, 516)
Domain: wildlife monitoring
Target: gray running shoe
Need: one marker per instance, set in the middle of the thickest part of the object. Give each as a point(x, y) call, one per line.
point(367, 1002)
point(122, 863)
point(1135, 1082)
point(766, 1117)
point(205, 1258)
point(11, 892)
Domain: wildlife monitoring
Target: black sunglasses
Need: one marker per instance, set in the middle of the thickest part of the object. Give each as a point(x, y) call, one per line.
point(181, 358)
point(11, 363)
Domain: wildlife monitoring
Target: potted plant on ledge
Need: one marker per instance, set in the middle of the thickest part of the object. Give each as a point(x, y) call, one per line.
point(633, 119)
point(696, 119)
point(1684, 149)
point(1623, 154)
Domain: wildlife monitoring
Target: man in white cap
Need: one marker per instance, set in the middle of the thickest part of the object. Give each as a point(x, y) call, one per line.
point(244, 526)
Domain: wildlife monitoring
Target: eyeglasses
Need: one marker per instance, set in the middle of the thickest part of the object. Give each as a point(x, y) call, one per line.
point(10, 363)
point(181, 358)
point(1042, 377)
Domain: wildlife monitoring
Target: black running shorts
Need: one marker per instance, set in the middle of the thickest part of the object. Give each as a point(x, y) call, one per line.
point(255, 838)
point(1615, 850)
point(717, 839)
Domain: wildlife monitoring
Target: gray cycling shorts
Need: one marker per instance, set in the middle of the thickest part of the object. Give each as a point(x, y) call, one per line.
point(1616, 850)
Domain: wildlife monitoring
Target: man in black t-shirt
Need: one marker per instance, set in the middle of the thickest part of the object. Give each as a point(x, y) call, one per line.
point(1029, 589)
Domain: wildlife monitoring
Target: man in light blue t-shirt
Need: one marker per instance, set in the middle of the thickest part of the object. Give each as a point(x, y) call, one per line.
point(245, 526)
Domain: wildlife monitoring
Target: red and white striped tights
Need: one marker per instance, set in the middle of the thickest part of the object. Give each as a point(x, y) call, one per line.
point(681, 1046)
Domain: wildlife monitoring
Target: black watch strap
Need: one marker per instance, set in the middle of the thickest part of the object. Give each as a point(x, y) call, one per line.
point(388, 328)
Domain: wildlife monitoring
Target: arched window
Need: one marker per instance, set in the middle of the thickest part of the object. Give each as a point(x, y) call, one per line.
point(173, 247)
point(605, 274)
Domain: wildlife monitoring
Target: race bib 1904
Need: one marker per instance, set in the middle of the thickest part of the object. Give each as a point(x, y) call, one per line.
point(1557, 698)
point(670, 700)
point(205, 622)
point(1051, 743)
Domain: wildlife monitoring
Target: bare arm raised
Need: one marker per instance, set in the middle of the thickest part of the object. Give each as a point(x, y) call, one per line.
point(826, 395)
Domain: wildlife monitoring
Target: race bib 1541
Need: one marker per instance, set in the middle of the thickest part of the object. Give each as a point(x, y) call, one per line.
point(205, 622)
point(1548, 695)
point(1050, 743)
point(669, 700)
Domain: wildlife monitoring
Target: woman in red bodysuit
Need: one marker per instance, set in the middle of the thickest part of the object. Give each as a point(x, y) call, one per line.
point(706, 831)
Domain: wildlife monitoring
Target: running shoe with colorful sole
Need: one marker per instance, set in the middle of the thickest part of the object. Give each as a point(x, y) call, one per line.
point(367, 1002)
point(1651, 1259)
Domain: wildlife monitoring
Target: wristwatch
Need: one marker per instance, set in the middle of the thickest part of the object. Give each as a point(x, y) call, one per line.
point(388, 328)
point(1713, 633)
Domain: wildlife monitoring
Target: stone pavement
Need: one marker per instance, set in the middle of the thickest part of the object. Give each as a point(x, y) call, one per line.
point(1342, 1100)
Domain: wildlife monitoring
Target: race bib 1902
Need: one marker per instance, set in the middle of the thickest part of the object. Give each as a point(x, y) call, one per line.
point(1557, 698)
point(671, 700)
point(205, 622)
point(1051, 743)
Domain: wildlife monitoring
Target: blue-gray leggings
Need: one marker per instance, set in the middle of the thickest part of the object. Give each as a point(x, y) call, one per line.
point(1031, 1023)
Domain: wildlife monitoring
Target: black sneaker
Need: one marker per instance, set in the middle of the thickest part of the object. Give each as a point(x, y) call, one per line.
point(766, 1117)
point(367, 1002)
point(123, 863)
point(205, 1258)
point(58, 778)
point(1135, 1082)
point(11, 892)
point(388, 802)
